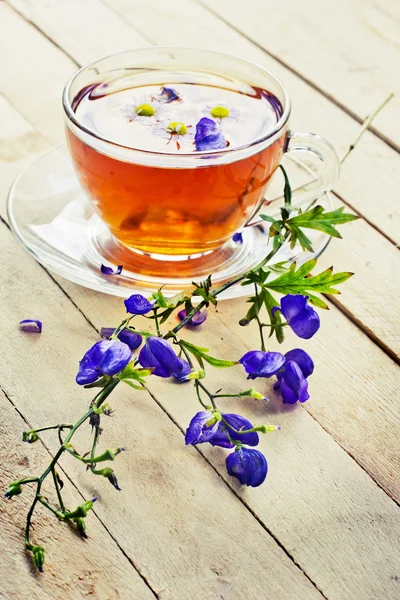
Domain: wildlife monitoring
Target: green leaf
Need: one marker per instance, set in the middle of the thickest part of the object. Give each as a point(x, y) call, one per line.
point(179, 298)
point(133, 385)
point(275, 319)
point(317, 218)
point(318, 302)
point(160, 299)
point(298, 282)
point(216, 362)
point(287, 190)
point(201, 353)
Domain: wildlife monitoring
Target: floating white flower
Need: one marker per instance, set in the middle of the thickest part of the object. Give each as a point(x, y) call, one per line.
point(144, 109)
point(221, 112)
point(175, 131)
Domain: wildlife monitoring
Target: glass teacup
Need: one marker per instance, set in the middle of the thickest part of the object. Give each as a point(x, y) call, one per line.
point(171, 195)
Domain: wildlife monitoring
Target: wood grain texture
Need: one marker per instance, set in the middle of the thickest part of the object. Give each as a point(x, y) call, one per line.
point(348, 50)
point(96, 567)
point(370, 256)
point(175, 519)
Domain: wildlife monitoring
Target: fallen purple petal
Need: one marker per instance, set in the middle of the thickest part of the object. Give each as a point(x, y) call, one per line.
point(110, 271)
point(238, 237)
point(31, 325)
point(209, 135)
point(196, 320)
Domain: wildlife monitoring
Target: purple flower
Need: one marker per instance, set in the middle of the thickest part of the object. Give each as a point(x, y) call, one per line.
point(249, 466)
point(31, 325)
point(196, 320)
point(110, 271)
point(301, 317)
point(202, 428)
point(168, 95)
point(138, 305)
point(184, 372)
point(106, 357)
point(209, 135)
point(292, 380)
point(205, 428)
point(157, 354)
point(131, 338)
point(262, 364)
point(238, 237)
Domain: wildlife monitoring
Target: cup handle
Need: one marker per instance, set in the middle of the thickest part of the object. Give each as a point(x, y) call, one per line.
point(324, 182)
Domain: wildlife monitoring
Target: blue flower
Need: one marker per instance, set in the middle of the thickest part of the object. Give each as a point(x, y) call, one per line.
point(138, 305)
point(205, 427)
point(249, 466)
point(182, 375)
point(262, 364)
point(202, 428)
point(131, 338)
point(209, 135)
point(168, 95)
point(31, 325)
point(301, 317)
point(196, 320)
point(106, 357)
point(238, 237)
point(158, 355)
point(110, 271)
point(292, 380)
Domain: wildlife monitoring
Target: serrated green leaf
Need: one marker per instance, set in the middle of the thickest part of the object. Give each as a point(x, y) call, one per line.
point(318, 302)
point(317, 218)
point(275, 319)
point(297, 282)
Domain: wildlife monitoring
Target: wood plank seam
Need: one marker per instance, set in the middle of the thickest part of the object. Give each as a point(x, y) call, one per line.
point(241, 500)
point(331, 299)
point(313, 85)
point(364, 328)
point(25, 420)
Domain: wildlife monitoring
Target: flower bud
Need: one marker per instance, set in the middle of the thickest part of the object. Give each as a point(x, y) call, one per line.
point(80, 511)
point(38, 556)
point(14, 489)
point(254, 394)
point(244, 322)
point(196, 375)
point(80, 526)
point(30, 436)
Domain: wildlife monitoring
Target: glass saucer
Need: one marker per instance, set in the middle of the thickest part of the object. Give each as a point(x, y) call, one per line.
point(52, 219)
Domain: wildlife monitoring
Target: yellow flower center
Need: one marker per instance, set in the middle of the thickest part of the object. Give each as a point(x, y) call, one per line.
point(145, 110)
point(219, 112)
point(176, 127)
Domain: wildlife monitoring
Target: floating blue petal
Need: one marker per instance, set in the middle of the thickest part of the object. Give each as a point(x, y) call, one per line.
point(209, 135)
point(138, 305)
point(301, 317)
point(168, 95)
point(31, 325)
point(107, 357)
point(248, 465)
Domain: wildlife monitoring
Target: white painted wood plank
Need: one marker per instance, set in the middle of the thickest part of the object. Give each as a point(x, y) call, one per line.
point(175, 518)
point(350, 50)
point(95, 567)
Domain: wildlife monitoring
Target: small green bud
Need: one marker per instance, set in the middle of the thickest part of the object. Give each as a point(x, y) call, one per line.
point(80, 511)
point(199, 374)
point(176, 127)
point(244, 322)
point(30, 436)
point(14, 489)
point(252, 393)
point(38, 555)
point(145, 110)
point(219, 112)
point(80, 526)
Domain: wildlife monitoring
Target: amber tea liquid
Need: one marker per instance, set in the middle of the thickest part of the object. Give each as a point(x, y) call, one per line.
point(177, 210)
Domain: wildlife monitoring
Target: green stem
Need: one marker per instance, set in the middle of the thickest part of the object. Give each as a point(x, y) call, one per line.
point(58, 490)
point(63, 426)
point(50, 508)
point(156, 321)
point(211, 396)
point(197, 387)
point(260, 326)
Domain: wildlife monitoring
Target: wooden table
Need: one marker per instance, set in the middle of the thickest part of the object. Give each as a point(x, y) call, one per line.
point(325, 525)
